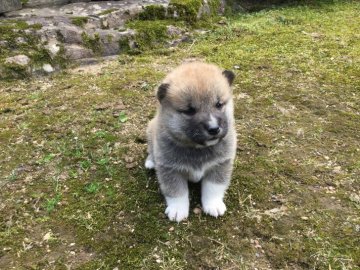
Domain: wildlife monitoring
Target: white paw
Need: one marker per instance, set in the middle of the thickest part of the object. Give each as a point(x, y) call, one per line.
point(177, 208)
point(214, 208)
point(212, 195)
point(149, 163)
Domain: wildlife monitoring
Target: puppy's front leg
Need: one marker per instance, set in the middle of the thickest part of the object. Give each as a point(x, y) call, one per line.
point(213, 187)
point(174, 187)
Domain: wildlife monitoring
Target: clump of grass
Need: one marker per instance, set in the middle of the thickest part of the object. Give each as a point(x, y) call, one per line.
point(124, 45)
point(108, 11)
point(149, 34)
point(13, 71)
point(51, 203)
point(186, 10)
point(92, 187)
point(153, 12)
point(92, 43)
point(79, 21)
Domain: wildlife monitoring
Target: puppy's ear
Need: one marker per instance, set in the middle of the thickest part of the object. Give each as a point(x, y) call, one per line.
point(230, 76)
point(161, 92)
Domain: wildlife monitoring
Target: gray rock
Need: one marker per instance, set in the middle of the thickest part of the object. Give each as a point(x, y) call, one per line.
point(93, 23)
point(53, 48)
point(48, 68)
point(20, 40)
point(4, 43)
point(70, 33)
point(109, 40)
point(75, 52)
point(115, 19)
point(21, 60)
point(47, 33)
point(9, 5)
point(173, 30)
point(78, 1)
point(39, 3)
point(204, 10)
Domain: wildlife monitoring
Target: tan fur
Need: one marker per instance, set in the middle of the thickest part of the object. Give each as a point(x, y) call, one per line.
point(185, 81)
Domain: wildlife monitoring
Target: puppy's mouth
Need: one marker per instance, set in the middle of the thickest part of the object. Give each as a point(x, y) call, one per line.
point(212, 141)
point(201, 138)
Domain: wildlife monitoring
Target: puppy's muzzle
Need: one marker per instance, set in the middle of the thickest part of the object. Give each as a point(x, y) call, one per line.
point(213, 130)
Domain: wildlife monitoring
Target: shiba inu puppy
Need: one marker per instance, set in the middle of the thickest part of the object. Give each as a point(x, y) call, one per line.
point(192, 137)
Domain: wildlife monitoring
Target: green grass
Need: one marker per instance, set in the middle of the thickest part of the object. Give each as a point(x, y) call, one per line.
point(92, 42)
point(107, 11)
point(79, 21)
point(73, 148)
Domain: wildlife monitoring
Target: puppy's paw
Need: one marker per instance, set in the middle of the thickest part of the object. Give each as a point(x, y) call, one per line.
point(214, 208)
point(177, 208)
point(149, 163)
point(177, 213)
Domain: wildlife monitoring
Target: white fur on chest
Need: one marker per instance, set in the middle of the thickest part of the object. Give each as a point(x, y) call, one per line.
point(196, 175)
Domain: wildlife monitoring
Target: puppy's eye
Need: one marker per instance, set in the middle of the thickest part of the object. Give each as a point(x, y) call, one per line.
point(219, 105)
point(189, 111)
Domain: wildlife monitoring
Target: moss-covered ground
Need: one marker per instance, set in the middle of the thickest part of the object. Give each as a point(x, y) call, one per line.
point(74, 193)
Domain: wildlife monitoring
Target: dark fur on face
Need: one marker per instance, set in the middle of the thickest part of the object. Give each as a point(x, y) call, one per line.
point(197, 128)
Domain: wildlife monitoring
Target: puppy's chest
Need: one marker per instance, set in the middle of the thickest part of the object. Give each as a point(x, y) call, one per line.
point(195, 175)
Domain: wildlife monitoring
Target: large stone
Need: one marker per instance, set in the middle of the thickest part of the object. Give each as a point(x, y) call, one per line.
point(9, 5)
point(70, 33)
point(173, 30)
point(78, 1)
point(53, 47)
point(39, 3)
point(76, 52)
point(48, 68)
point(110, 40)
point(20, 60)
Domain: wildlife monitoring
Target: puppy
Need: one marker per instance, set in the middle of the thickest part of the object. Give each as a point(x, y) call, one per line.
point(192, 137)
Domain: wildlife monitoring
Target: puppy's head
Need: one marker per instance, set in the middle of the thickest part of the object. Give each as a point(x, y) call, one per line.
point(196, 106)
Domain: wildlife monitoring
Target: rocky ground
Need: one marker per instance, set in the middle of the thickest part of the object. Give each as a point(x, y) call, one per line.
point(83, 32)
point(68, 25)
point(74, 193)
point(80, 30)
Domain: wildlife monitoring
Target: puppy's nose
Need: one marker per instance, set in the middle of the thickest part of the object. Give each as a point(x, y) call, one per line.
point(213, 130)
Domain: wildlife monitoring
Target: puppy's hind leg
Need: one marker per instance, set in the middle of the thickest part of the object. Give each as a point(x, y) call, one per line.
point(174, 187)
point(150, 161)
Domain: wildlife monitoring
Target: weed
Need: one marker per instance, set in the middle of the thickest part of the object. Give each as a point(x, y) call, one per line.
point(52, 203)
point(92, 43)
point(79, 21)
point(92, 187)
point(123, 117)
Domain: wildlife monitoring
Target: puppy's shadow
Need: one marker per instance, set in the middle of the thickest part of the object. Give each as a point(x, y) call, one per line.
point(195, 194)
